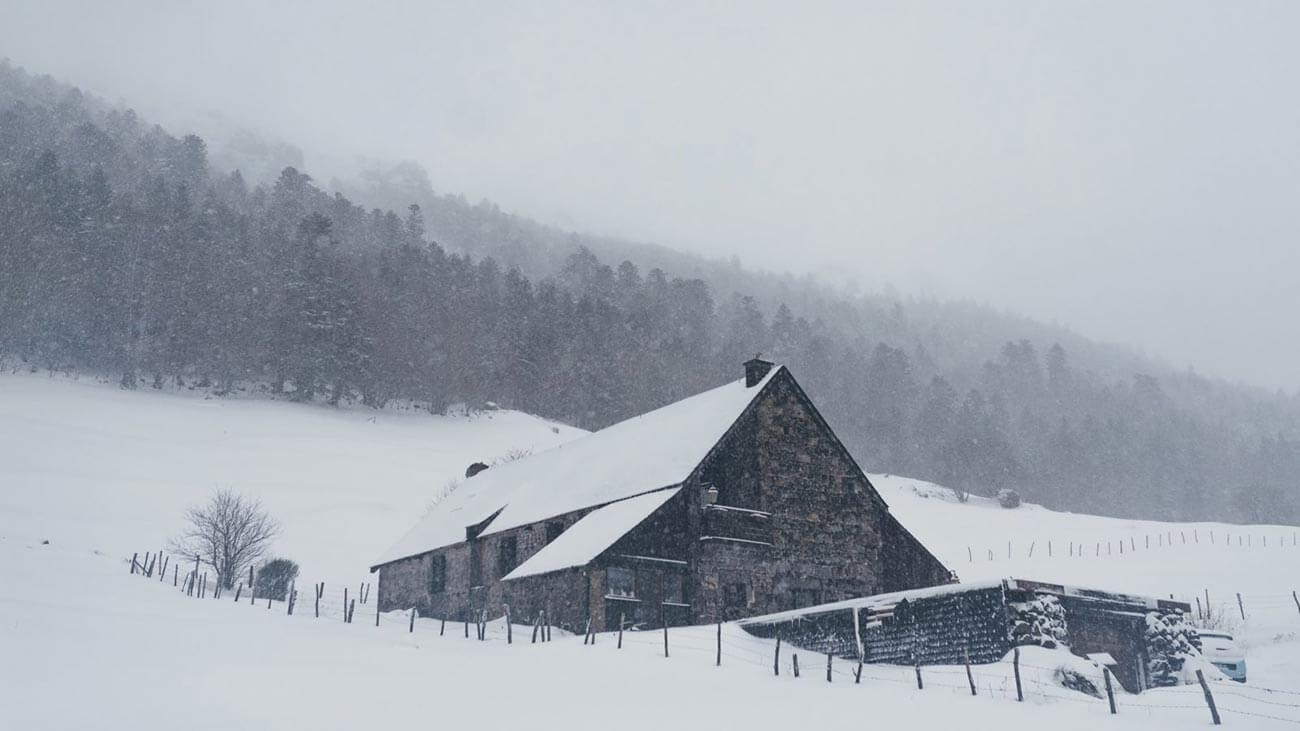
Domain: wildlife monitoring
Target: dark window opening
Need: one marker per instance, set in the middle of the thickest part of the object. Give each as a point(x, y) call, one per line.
point(507, 555)
point(801, 598)
point(475, 563)
point(437, 574)
point(620, 582)
point(553, 530)
point(735, 596)
point(674, 588)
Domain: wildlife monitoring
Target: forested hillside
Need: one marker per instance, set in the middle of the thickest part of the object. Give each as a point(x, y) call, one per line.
point(122, 250)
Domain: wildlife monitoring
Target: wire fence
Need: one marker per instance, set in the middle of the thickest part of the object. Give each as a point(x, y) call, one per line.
point(1000, 681)
point(1131, 544)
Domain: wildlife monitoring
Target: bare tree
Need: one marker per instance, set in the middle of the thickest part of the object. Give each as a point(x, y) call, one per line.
point(228, 533)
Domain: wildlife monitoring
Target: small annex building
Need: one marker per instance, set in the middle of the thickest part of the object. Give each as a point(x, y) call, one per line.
point(983, 621)
point(735, 502)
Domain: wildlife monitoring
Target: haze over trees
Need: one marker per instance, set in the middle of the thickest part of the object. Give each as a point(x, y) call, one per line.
point(123, 250)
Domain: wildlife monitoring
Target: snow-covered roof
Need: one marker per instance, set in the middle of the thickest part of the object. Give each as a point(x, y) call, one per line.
point(876, 601)
point(656, 450)
point(592, 534)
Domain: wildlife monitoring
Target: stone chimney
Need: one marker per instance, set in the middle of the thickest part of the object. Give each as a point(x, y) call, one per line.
point(755, 369)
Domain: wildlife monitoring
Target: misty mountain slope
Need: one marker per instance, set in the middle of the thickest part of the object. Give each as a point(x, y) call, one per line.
point(102, 473)
point(124, 251)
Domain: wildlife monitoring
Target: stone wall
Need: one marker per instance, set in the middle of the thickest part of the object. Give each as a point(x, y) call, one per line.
point(827, 523)
point(405, 583)
point(908, 565)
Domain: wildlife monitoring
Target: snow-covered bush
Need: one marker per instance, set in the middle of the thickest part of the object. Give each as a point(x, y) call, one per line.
point(1008, 498)
point(275, 577)
point(1040, 621)
point(1170, 641)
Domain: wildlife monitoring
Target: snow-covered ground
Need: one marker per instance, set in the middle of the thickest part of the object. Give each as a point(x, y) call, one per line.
point(114, 470)
point(1185, 560)
point(101, 473)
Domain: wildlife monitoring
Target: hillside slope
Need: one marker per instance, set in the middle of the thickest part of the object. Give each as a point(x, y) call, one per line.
point(124, 250)
point(91, 465)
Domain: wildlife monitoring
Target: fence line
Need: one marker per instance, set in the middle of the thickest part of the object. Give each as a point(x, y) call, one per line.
point(685, 641)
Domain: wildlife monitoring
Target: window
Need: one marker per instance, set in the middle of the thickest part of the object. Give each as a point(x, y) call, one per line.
point(507, 555)
point(735, 596)
point(620, 582)
point(437, 574)
point(801, 598)
point(475, 563)
point(673, 588)
point(553, 530)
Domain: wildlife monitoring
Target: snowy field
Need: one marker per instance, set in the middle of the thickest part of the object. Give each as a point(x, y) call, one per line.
point(101, 473)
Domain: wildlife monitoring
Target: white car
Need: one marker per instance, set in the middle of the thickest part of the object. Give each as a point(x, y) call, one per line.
point(1225, 654)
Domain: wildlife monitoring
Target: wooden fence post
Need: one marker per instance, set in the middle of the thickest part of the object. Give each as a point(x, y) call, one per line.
point(1199, 614)
point(920, 685)
point(828, 667)
point(1240, 606)
point(252, 590)
point(1110, 690)
point(176, 571)
point(537, 621)
point(412, 627)
point(719, 660)
point(1015, 664)
point(467, 627)
point(662, 620)
point(794, 656)
point(376, 614)
point(1295, 599)
point(969, 678)
point(134, 556)
point(586, 633)
point(622, 619)
point(239, 590)
point(776, 657)
point(163, 571)
point(510, 636)
point(345, 604)
point(1209, 698)
point(857, 677)
point(443, 626)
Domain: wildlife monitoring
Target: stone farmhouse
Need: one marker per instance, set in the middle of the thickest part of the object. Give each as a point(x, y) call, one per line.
point(736, 502)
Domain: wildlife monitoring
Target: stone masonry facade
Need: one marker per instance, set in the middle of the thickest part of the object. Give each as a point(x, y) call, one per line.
point(794, 523)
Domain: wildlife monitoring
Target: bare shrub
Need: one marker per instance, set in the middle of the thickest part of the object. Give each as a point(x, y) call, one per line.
point(228, 533)
point(1216, 619)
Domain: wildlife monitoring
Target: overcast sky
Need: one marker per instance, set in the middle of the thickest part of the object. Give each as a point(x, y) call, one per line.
point(1131, 169)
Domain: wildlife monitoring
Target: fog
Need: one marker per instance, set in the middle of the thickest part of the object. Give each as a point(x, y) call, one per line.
point(1132, 170)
